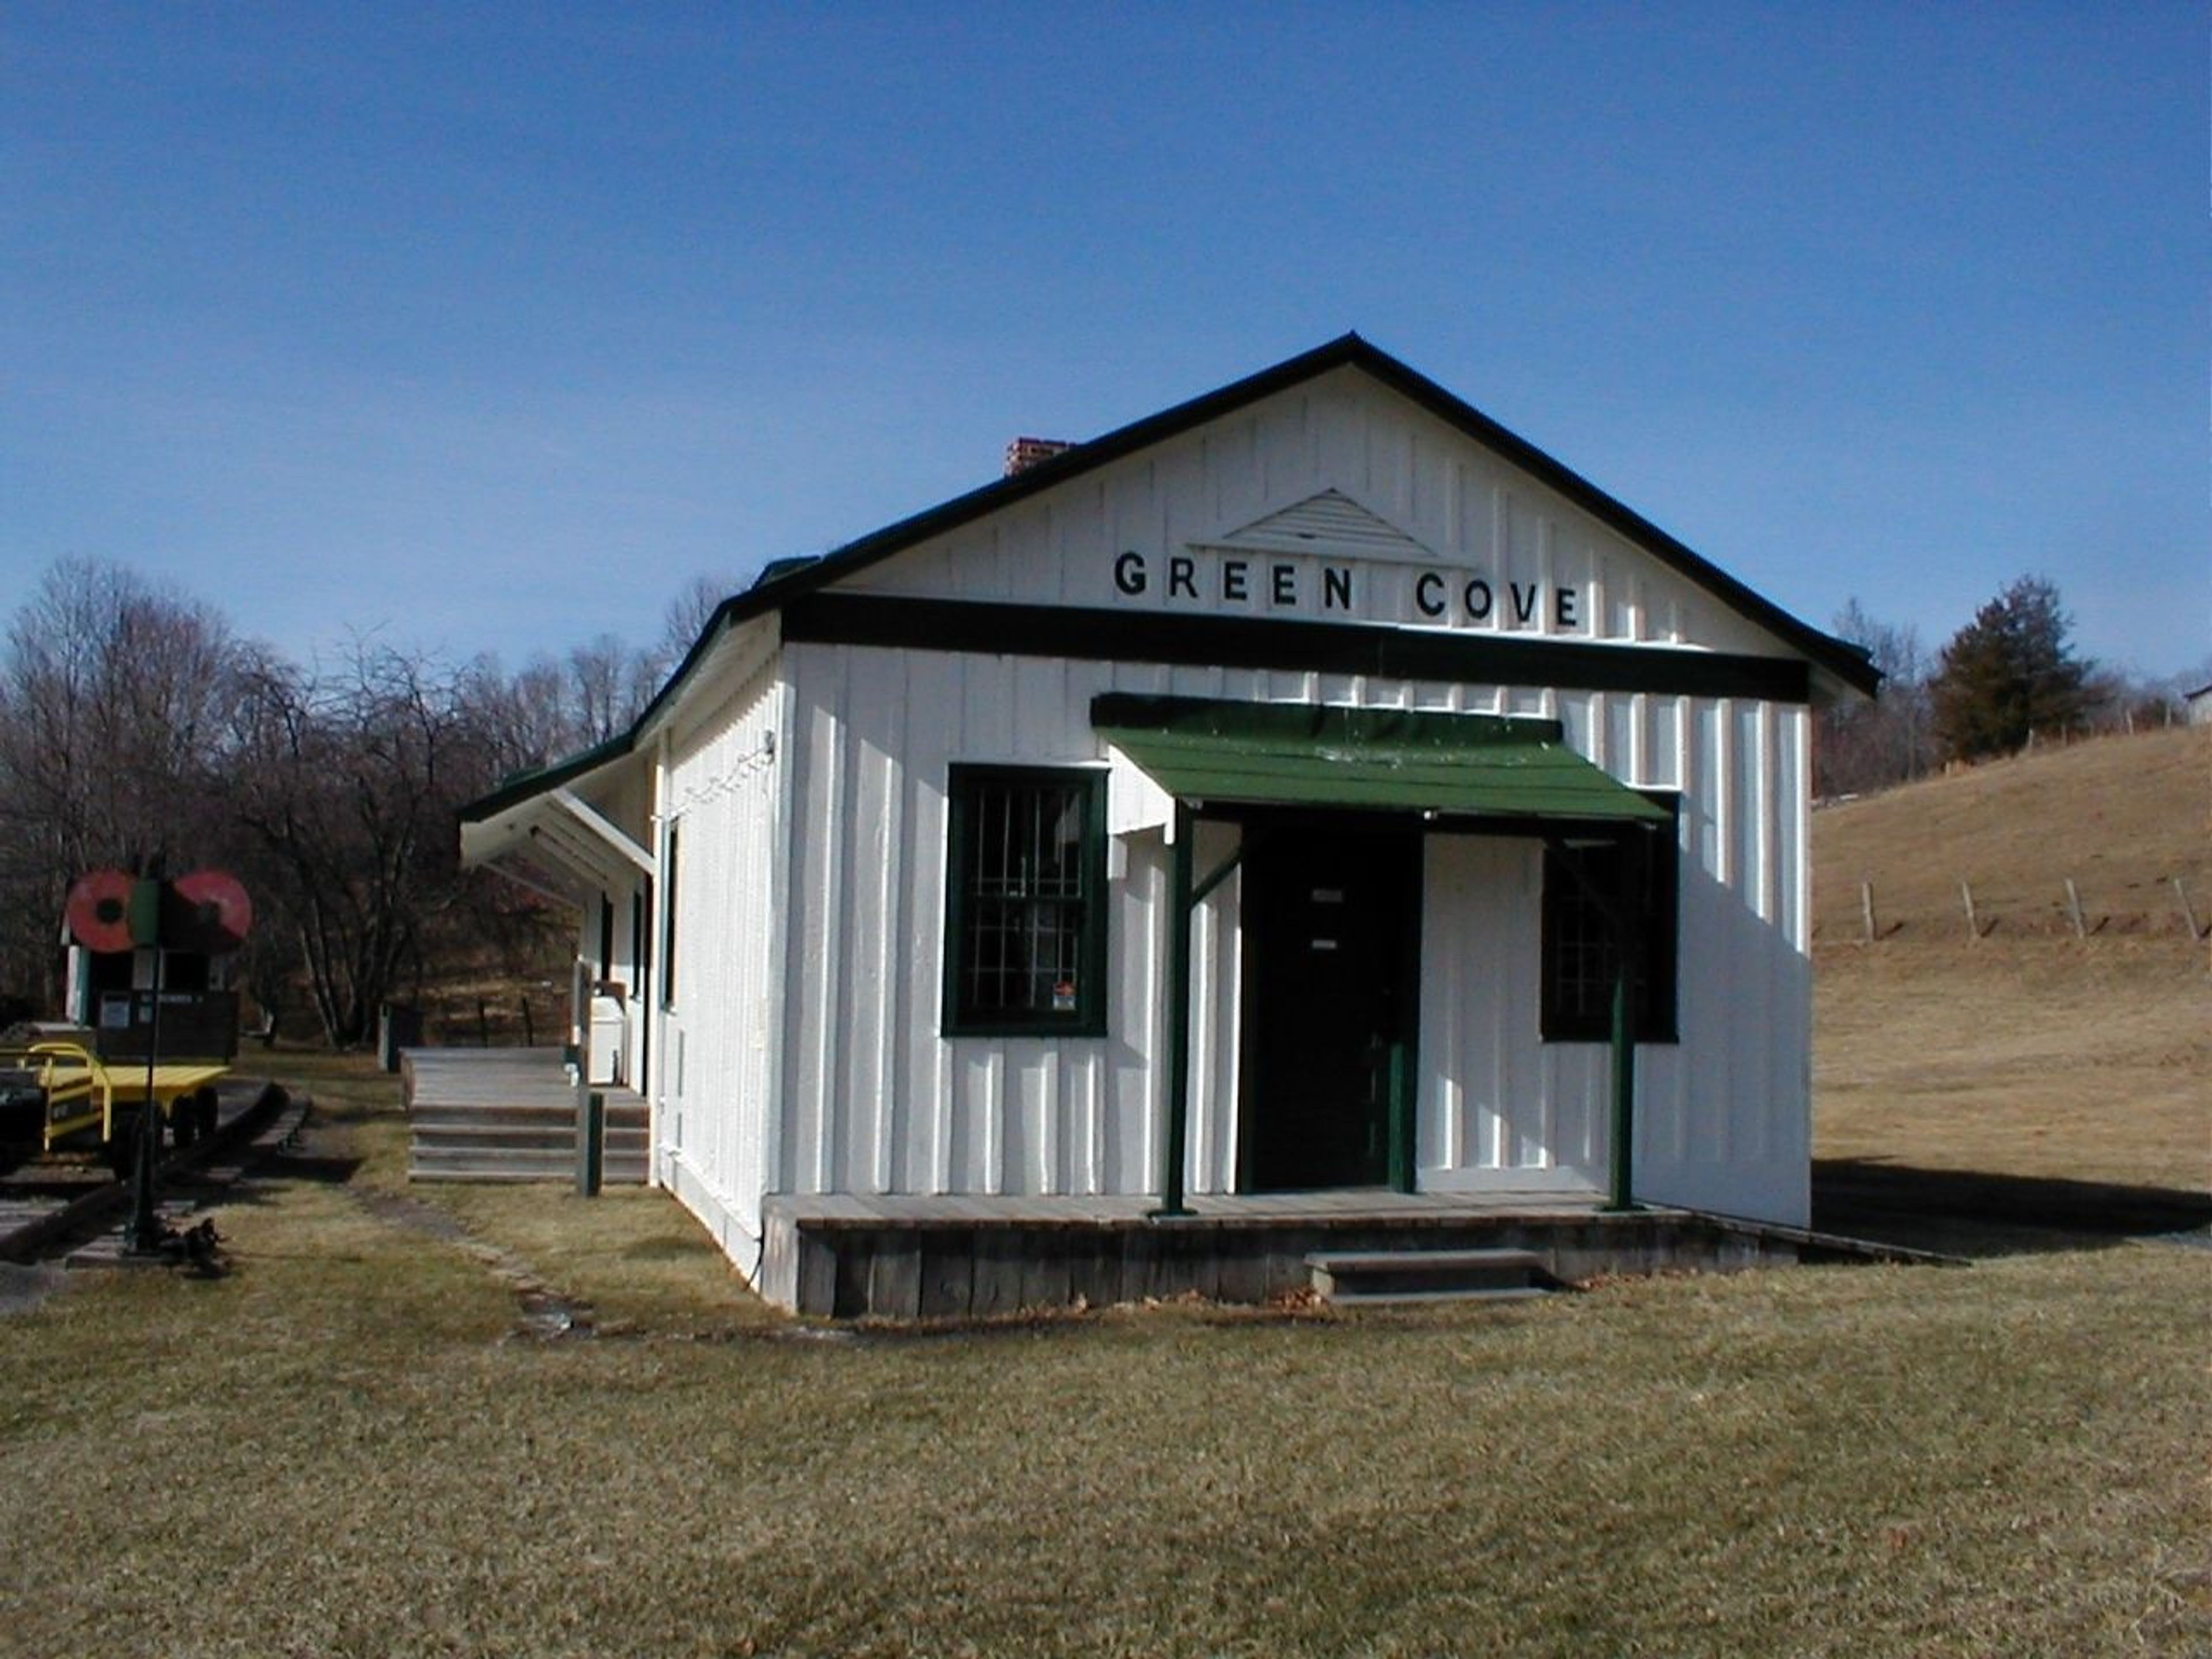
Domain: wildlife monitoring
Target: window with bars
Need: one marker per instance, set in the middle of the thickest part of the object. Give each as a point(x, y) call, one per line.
point(1580, 952)
point(1025, 927)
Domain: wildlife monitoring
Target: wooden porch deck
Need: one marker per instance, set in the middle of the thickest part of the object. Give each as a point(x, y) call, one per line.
point(1368, 1204)
point(940, 1257)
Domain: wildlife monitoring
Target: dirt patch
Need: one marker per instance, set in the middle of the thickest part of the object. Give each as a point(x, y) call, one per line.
point(23, 1288)
point(546, 1313)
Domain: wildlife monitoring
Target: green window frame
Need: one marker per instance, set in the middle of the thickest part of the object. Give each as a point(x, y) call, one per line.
point(1026, 902)
point(1580, 958)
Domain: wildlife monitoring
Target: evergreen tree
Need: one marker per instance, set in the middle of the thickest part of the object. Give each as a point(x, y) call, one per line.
point(2008, 674)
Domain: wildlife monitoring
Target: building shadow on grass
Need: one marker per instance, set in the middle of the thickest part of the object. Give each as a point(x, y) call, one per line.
point(1972, 1214)
point(311, 1166)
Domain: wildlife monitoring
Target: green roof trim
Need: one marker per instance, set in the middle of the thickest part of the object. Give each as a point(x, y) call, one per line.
point(1468, 766)
point(518, 786)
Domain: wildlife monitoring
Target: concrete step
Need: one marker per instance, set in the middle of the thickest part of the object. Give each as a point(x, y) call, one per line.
point(1377, 1278)
point(1417, 1298)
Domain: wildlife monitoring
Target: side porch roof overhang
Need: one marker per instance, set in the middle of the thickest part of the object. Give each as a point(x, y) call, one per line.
point(540, 833)
point(1442, 766)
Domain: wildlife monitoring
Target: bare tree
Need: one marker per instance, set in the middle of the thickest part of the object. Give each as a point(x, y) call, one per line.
point(136, 729)
point(525, 717)
point(1860, 746)
point(601, 683)
point(348, 782)
point(115, 698)
point(687, 616)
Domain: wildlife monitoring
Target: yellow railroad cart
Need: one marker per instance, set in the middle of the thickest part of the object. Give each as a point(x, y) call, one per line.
point(78, 1091)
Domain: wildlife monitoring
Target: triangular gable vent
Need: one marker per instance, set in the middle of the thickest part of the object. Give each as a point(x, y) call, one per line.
point(1332, 519)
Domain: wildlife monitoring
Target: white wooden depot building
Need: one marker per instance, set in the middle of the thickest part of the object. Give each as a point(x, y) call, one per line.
point(1312, 788)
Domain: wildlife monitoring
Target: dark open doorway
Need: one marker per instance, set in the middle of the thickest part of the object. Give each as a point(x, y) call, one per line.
point(1331, 1006)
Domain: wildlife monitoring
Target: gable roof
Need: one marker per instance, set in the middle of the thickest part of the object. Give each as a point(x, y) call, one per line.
point(785, 579)
point(1844, 661)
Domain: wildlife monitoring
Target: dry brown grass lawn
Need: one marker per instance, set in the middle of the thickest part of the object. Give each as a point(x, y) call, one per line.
point(2043, 1058)
point(344, 1447)
point(2027, 1053)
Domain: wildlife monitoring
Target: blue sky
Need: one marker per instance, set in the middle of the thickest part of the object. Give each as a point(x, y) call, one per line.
point(487, 328)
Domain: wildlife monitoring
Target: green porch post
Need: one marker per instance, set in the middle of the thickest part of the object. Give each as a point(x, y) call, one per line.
point(1624, 1093)
point(1628, 952)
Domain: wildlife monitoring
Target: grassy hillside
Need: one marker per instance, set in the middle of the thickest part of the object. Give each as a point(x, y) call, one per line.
point(2054, 1067)
point(2120, 815)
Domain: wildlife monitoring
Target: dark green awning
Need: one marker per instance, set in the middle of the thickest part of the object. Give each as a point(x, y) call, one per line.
point(1482, 766)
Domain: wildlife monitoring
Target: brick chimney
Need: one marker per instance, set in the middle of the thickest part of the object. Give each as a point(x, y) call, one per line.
point(1023, 453)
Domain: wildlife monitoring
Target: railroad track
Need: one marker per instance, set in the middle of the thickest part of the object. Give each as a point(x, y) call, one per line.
point(54, 1210)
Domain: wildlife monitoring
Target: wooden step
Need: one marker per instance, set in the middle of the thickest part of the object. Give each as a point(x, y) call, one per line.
point(527, 1138)
point(631, 1116)
point(512, 1116)
point(1379, 1278)
point(491, 1175)
point(458, 1116)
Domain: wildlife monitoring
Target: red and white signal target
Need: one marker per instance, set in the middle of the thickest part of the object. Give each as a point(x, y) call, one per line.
point(220, 913)
point(99, 910)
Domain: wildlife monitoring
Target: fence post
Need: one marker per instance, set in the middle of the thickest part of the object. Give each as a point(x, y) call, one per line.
point(1866, 908)
point(1973, 926)
point(2188, 910)
point(2074, 908)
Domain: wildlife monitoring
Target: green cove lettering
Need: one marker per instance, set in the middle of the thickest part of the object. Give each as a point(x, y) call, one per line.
point(1217, 580)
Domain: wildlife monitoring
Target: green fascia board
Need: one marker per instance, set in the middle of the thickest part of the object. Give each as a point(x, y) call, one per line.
point(1212, 720)
point(1372, 759)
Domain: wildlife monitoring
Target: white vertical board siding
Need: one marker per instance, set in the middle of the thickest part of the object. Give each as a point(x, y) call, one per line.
point(877, 1101)
point(713, 1075)
point(1337, 470)
point(1722, 1114)
point(1217, 991)
point(1490, 1107)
